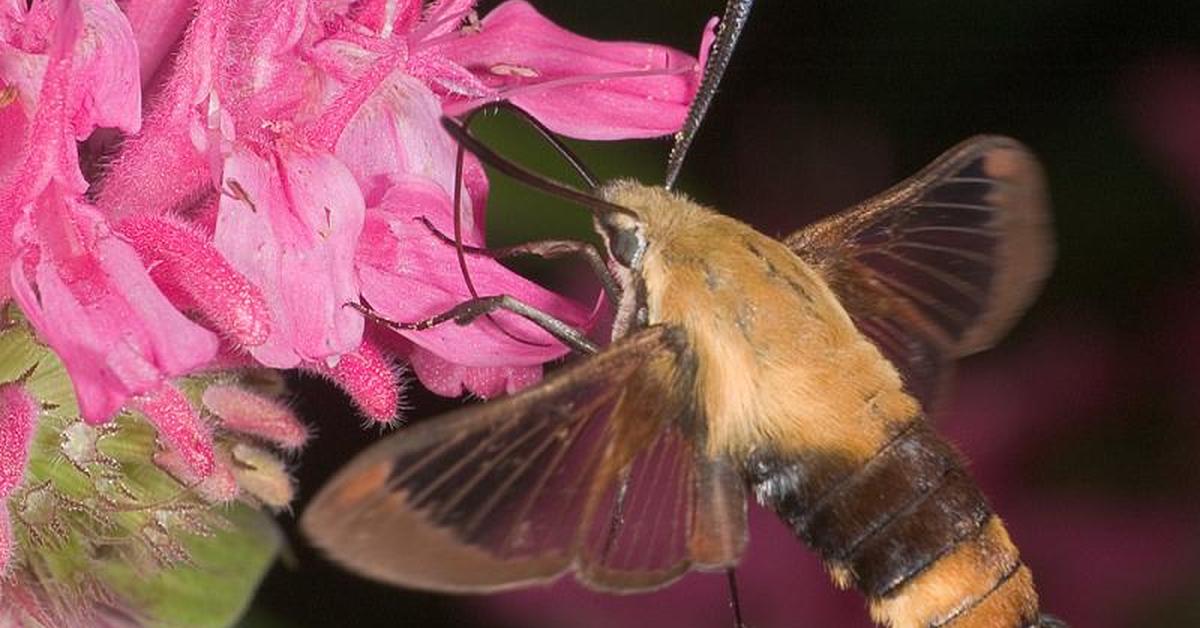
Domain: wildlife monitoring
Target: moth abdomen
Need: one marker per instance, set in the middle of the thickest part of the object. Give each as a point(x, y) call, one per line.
point(908, 527)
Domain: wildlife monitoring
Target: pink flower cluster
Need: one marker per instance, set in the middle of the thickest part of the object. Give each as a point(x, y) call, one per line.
point(193, 185)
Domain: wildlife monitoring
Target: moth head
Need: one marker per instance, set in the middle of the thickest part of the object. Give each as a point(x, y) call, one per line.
point(625, 237)
point(624, 228)
point(643, 215)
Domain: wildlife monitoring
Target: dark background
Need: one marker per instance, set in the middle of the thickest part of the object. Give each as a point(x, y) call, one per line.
point(1082, 424)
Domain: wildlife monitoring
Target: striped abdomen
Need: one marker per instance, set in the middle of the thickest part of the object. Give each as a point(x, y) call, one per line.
point(909, 528)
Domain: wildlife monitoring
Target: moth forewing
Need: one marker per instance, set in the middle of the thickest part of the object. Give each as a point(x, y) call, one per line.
point(519, 491)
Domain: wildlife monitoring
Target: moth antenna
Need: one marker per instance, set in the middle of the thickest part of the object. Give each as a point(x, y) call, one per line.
point(460, 158)
point(551, 138)
point(556, 142)
point(528, 177)
point(732, 23)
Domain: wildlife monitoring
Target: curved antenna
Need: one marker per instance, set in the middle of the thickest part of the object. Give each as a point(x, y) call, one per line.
point(732, 23)
point(460, 253)
point(528, 177)
point(551, 138)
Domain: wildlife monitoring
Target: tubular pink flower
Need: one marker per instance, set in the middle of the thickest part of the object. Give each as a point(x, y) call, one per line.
point(256, 81)
point(87, 293)
point(241, 410)
point(371, 381)
point(41, 87)
point(167, 167)
point(98, 45)
point(193, 275)
point(576, 86)
point(397, 133)
point(291, 227)
point(219, 487)
point(62, 60)
point(18, 418)
point(451, 380)
point(105, 77)
point(157, 27)
point(179, 428)
point(286, 152)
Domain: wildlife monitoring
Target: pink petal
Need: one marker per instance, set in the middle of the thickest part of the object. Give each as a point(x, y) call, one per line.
point(397, 132)
point(14, 125)
point(372, 382)
point(386, 17)
point(180, 428)
point(444, 17)
point(451, 380)
point(560, 77)
point(167, 166)
point(18, 418)
point(103, 90)
point(108, 88)
point(194, 275)
point(244, 411)
point(294, 235)
point(43, 80)
point(263, 73)
point(43, 130)
point(92, 301)
point(396, 135)
point(157, 27)
point(409, 274)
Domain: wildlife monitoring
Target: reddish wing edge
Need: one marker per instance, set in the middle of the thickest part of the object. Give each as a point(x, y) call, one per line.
point(521, 490)
point(941, 265)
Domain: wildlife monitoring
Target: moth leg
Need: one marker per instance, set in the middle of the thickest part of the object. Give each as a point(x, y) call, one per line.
point(735, 602)
point(546, 249)
point(466, 312)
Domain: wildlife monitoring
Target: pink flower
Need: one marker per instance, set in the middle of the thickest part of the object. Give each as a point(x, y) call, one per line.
point(292, 230)
point(359, 89)
point(87, 293)
point(279, 170)
point(188, 188)
point(83, 287)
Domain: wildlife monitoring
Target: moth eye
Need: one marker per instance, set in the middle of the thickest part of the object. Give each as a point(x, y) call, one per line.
point(626, 245)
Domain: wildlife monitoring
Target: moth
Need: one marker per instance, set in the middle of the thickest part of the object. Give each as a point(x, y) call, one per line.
point(799, 372)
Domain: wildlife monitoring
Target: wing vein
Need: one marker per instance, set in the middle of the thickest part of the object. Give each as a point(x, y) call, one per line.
point(963, 287)
point(493, 462)
point(949, 205)
point(974, 256)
